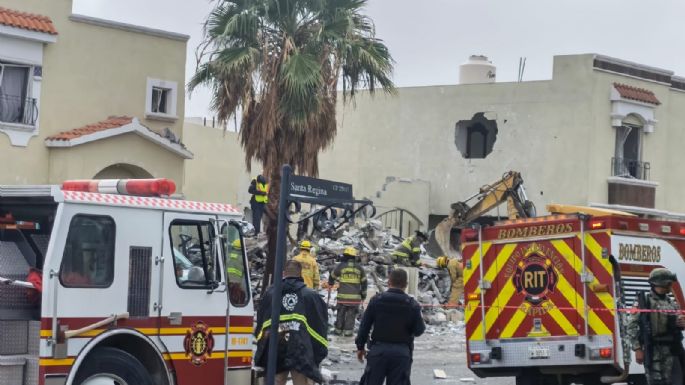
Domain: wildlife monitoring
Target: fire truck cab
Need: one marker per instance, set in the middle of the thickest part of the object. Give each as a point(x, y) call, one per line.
point(112, 282)
point(548, 298)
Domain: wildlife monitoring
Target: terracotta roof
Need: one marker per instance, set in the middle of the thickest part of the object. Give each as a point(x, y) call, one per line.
point(638, 94)
point(111, 122)
point(29, 21)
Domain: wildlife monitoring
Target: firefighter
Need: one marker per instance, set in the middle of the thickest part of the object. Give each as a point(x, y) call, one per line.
point(303, 327)
point(456, 272)
point(310, 268)
point(656, 337)
point(351, 293)
point(409, 251)
point(260, 197)
point(234, 272)
point(395, 319)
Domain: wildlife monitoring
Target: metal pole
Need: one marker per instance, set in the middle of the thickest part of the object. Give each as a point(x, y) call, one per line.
point(584, 272)
point(278, 273)
point(482, 283)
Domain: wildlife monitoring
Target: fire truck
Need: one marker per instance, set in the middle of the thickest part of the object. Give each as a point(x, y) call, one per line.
point(547, 299)
point(114, 282)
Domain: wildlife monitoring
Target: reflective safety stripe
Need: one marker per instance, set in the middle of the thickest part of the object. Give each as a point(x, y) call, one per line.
point(349, 296)
point(350, 280)
point(400, 254)
point(262, 188)
point(295, 317)
point(234, 271)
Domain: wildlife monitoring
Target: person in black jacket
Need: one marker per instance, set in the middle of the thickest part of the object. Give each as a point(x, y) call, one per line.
point(303, 328)
point(396, 319)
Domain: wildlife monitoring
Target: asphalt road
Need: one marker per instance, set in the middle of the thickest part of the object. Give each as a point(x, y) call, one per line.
point(439, 348)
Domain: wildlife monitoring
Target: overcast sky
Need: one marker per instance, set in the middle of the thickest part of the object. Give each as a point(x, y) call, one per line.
point(430, 38)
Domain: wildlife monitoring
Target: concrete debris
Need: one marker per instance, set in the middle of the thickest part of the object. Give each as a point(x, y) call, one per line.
point(438, 373)
point(375, 244)
point(467, 379)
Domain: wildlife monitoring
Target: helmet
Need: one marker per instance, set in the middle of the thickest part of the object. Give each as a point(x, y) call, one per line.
point(661, 277)
point(306, 245)
point(420, 234)
point(236, 244)
point(442, 261)
point(351, 251)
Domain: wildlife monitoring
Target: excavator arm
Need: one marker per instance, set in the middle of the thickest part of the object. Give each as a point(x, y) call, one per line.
point(509, 189)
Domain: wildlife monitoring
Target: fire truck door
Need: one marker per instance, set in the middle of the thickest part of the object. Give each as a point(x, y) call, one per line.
point(193, 299)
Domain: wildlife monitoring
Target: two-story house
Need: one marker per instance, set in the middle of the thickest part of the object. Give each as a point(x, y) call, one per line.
point(82, 97)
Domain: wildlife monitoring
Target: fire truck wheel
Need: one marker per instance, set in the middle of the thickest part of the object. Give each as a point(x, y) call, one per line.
point(110, 366)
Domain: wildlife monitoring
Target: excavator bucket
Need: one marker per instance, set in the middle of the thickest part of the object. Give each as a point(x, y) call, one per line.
point(439, 239)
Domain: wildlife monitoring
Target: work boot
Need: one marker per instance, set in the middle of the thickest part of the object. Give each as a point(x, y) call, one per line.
point(348, 333)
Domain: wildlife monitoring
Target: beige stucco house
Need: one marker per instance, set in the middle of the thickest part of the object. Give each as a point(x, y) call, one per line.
point(82, 97)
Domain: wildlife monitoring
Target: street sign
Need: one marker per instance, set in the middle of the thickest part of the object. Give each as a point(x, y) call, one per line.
point(306, 187)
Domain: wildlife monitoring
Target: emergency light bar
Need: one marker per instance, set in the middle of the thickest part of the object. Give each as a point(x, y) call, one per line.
point(138, 187)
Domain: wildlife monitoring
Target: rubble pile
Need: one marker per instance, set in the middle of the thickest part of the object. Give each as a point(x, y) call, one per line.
point(375, 244)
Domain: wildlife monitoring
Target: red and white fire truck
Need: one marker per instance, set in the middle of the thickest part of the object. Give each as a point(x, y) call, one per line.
point(112, 282)
point(547, 297)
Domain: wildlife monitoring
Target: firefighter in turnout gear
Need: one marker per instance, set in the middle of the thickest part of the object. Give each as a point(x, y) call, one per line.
point(456, 272)
point(656, 337)
point(234, 272)
point(310, 268)
point(409, 251)
point(352, 291)
point(259, 189)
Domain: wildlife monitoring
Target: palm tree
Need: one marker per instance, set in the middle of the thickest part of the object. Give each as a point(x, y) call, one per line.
point(280, 65)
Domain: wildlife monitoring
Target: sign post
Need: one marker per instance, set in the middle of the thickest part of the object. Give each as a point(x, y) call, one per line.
point(296, 188)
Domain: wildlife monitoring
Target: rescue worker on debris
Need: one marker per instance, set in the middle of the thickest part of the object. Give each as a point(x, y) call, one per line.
point(409, 251)
point(303, 327)
point(456, 273)
point(656, 334)
point(351, 293)
point(310, 268)
point(234, 272)
point(260, 197)
point(393, 319)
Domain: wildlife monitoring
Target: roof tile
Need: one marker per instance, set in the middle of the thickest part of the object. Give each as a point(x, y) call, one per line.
point(637, 94)
point(30, 21)
point(111, 122)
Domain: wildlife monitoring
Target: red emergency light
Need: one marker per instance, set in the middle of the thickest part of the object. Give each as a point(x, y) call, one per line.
point(138, 187)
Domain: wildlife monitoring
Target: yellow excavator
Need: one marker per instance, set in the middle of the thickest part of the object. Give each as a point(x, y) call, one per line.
point(509, 189)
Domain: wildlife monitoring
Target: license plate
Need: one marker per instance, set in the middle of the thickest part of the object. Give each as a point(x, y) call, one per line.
point(537, 352)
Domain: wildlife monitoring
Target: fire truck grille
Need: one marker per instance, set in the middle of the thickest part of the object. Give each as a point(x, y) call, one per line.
point(140, 261)
point(631, 287)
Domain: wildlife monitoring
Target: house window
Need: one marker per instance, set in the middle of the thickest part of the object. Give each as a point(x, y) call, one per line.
point(627, 161)
point(161, 98)
point(16, 106)
point(476, 142)
point(88, 259)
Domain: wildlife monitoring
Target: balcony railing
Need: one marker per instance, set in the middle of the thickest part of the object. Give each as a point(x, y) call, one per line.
point(17, 110)
point(630, 168)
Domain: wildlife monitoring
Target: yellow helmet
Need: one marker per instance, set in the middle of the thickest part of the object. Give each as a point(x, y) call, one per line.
point(351, 251)
point(442, 261)
point(305, 245)
point(236, 244)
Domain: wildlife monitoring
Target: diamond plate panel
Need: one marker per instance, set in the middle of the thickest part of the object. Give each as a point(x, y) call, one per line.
point(11, 260)
point(13, 337)
point(31, 371)
point(34, 338)
point(12, 370)
point(41, 241)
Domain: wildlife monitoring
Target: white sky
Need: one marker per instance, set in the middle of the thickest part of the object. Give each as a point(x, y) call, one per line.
point(430, 38)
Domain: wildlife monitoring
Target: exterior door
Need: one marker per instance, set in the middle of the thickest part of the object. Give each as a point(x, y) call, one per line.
point(193, 314)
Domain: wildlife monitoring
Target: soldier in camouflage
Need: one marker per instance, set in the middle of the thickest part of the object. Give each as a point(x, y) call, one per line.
point(660, 349)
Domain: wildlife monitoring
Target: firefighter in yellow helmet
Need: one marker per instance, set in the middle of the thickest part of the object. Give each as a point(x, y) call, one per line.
point(456, 272)
point(310, 268)
point(351, 293)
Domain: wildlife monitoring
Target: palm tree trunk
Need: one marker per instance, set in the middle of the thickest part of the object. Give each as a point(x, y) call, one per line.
point(272, 227)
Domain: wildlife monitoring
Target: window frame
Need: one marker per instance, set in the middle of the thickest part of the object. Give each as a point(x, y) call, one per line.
point(171, 103)
point(217, 265)
point(246, 272)
point(114, 248)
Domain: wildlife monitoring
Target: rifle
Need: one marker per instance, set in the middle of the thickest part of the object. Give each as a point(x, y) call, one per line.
point(645, 330)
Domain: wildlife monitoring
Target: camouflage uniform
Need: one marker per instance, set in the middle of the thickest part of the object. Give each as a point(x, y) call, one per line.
point(666, 338)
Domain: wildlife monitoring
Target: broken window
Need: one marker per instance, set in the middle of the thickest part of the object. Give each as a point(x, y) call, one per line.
point(475, 138)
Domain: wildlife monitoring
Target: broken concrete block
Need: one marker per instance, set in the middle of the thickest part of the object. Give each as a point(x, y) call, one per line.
point(439, 373)
point(437, 318)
